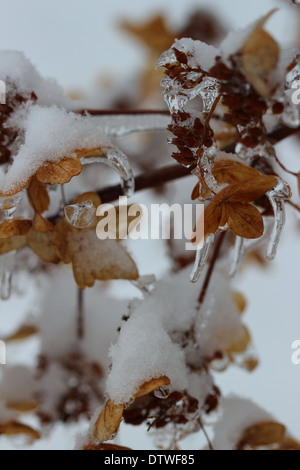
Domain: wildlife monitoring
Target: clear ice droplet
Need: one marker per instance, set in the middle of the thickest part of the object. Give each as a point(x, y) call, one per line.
point(118, 161)
point(163, 392)
point(81, 215)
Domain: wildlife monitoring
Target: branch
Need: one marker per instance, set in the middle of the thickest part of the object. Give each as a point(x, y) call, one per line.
point(155, 178)
point(122, 112)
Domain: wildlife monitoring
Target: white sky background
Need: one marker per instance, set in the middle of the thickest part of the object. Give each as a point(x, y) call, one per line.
point(75, 41)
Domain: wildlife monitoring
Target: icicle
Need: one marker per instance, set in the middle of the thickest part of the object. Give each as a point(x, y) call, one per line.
point(237, 257)
point(8, 207)
point(207, 161)
point(81, 215)
point(276, 198)
point(117, 160)
point(202, 257)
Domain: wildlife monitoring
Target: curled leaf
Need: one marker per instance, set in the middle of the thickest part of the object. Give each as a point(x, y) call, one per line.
point(14, 428)
point(108, 421)
point(263, 434)
point(60, 172)
point(38, 196)
point(260, 55)
point(24, 332)
point(40, 224)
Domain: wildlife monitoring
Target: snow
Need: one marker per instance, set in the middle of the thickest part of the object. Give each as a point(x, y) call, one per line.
point(17, 71)
point(51, 133)
point(237, 415)
point(147, 346)
point(144, 351)
point(199, 54)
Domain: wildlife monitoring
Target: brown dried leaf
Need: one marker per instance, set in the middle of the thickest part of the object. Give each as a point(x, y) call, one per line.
point(231, 172)
point(108, 421)
point(111, 414)
point(240, 344)
point(92, 259)
point(22, 407)
point(103, 446)
point(43, 246)
point(155, 34)
point(38, 196)
point(263, 434)
point(24, 332)
point(14, 428)
point(60, 172)
point(260, 55)
point(244, 220)
point(152, 385)
point(240, 301)
point(11, 244)
point(14, 228)
point(42, 225)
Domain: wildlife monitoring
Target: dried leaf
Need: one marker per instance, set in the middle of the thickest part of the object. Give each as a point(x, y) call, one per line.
point(12, 244)
point(260, 56)
point(42, 225)
point(240, 301)
point(22, 407)
point(240, 344)
point(14, 428)
point(108, 421)
point(244, 220)
point(263, 434)
point(43, 246)
point(155, 34)
point(152, 385)
point(14, 228)
point(38, 196)
point(103, 446)
point(24, 332)
point(60, 172)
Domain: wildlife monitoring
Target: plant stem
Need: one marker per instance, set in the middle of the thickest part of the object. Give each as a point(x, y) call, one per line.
point(211, 266)
point(80, 314)
point(120, 112)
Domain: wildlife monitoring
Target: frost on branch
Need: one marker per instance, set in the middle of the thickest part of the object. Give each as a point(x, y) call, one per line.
point(239, 84)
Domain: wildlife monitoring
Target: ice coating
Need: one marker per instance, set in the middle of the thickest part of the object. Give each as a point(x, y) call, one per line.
point(8, 207)
point(81, 215)
point(276, 198)
point(117, 160)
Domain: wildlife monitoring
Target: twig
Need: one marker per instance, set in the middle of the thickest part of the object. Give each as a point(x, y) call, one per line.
point(80, 314)
point(210, 446)
point(124, 112)
point(210, 270)
point(284, 168)
point(292, 204)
